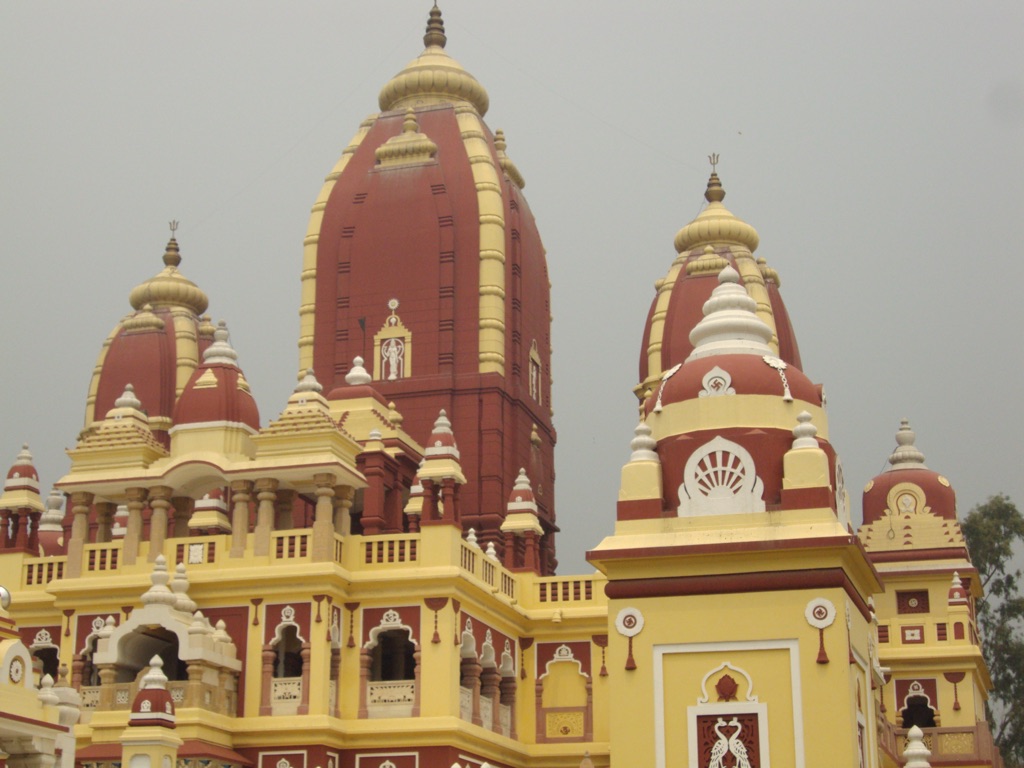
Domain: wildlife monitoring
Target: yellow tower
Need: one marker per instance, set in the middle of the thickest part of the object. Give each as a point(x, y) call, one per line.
point(738, 613)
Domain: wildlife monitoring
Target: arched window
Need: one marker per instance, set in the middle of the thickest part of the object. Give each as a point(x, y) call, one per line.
point(917, 712)
point(392, 657)
point(50, 660)
point(288, 647)
point(143, 644)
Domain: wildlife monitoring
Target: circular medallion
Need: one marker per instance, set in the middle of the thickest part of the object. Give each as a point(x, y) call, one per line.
point(820, 613)
point(629, 622)
point(17, 670)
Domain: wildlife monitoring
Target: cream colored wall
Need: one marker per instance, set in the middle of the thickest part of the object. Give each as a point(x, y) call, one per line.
point(767, 636)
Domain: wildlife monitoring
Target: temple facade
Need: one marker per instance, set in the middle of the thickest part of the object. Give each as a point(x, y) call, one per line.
point(368, 578)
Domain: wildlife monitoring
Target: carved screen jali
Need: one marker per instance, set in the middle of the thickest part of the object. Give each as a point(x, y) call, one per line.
point(728, 742)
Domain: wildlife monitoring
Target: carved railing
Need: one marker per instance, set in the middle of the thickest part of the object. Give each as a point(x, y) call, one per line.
point(41, 572)
point(291, 545)
point(486, 711)
point(391, 550)
point(488, 570)
point(286, 690)
point(505, 719)
point(197, 550)
point(101, 557)
point(90, 696)
point(390, 698)
point(955, 746)
point(571, 589)
point(391, 692)
point(210, 697)
point(467, 558)
point(466, 704)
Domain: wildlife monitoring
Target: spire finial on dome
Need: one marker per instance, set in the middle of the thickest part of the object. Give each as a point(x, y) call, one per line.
point(308, 382)
point(128, 399)
point(714, 193)
point(410, 125)
point(220, 351)
point(804, 432)
point(172, 256)
point(906, 455)
point(643, 445)
point(155, 677)
point(435, 29)
point(730, 324)
point(357, 375)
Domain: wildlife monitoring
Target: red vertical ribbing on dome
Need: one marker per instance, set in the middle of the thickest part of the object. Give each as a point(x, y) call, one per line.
point(789, 351)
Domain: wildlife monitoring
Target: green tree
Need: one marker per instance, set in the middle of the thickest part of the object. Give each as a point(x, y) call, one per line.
point(992, 530)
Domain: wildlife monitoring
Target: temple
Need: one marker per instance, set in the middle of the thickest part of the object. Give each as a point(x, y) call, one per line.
point(368, 578)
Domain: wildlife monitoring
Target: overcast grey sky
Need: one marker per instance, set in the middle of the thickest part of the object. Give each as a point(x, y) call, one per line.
point(877, 147)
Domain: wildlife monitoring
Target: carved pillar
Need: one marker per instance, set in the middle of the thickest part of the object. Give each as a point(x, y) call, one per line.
point(531, 556)
point(21, 530)
point(332, 708)
point(104, 522)
point(108, 673)
point(508, 697)
point(269, 657)
point(429, 513)
point(194, 688)
point(133, 529)
point(5, 528)
point(241, 493)
point(266, 494)
point(449, 494)
point(304, 701)
point(323, 523)
point(509, 557)
point(588, 716)
point(159, 503)
point(344, 495)
point(490, 680)
point(542, 726)
point(223, 693)
point(80, 502)
point(183, 506)
point(416, 683)
point(77, 665)
point(365, 663)
point(471, 669)
point(374, 495)
point(33, 534)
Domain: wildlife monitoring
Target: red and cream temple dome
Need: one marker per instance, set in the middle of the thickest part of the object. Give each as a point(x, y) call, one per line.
point(448, 303)
point(155, 348)
point(723, 397)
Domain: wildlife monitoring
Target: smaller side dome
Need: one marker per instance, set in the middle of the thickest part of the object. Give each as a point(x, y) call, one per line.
point(218, 391)
point(22, 474)
point(521, 499)
point(442, 439)
point(908, 487)
point(21, 487)
point(153, 704)
point(433, 77)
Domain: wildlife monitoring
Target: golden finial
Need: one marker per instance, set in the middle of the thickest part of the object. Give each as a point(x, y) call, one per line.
point(435, 29)
point(172, 256)
point(714, 193)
